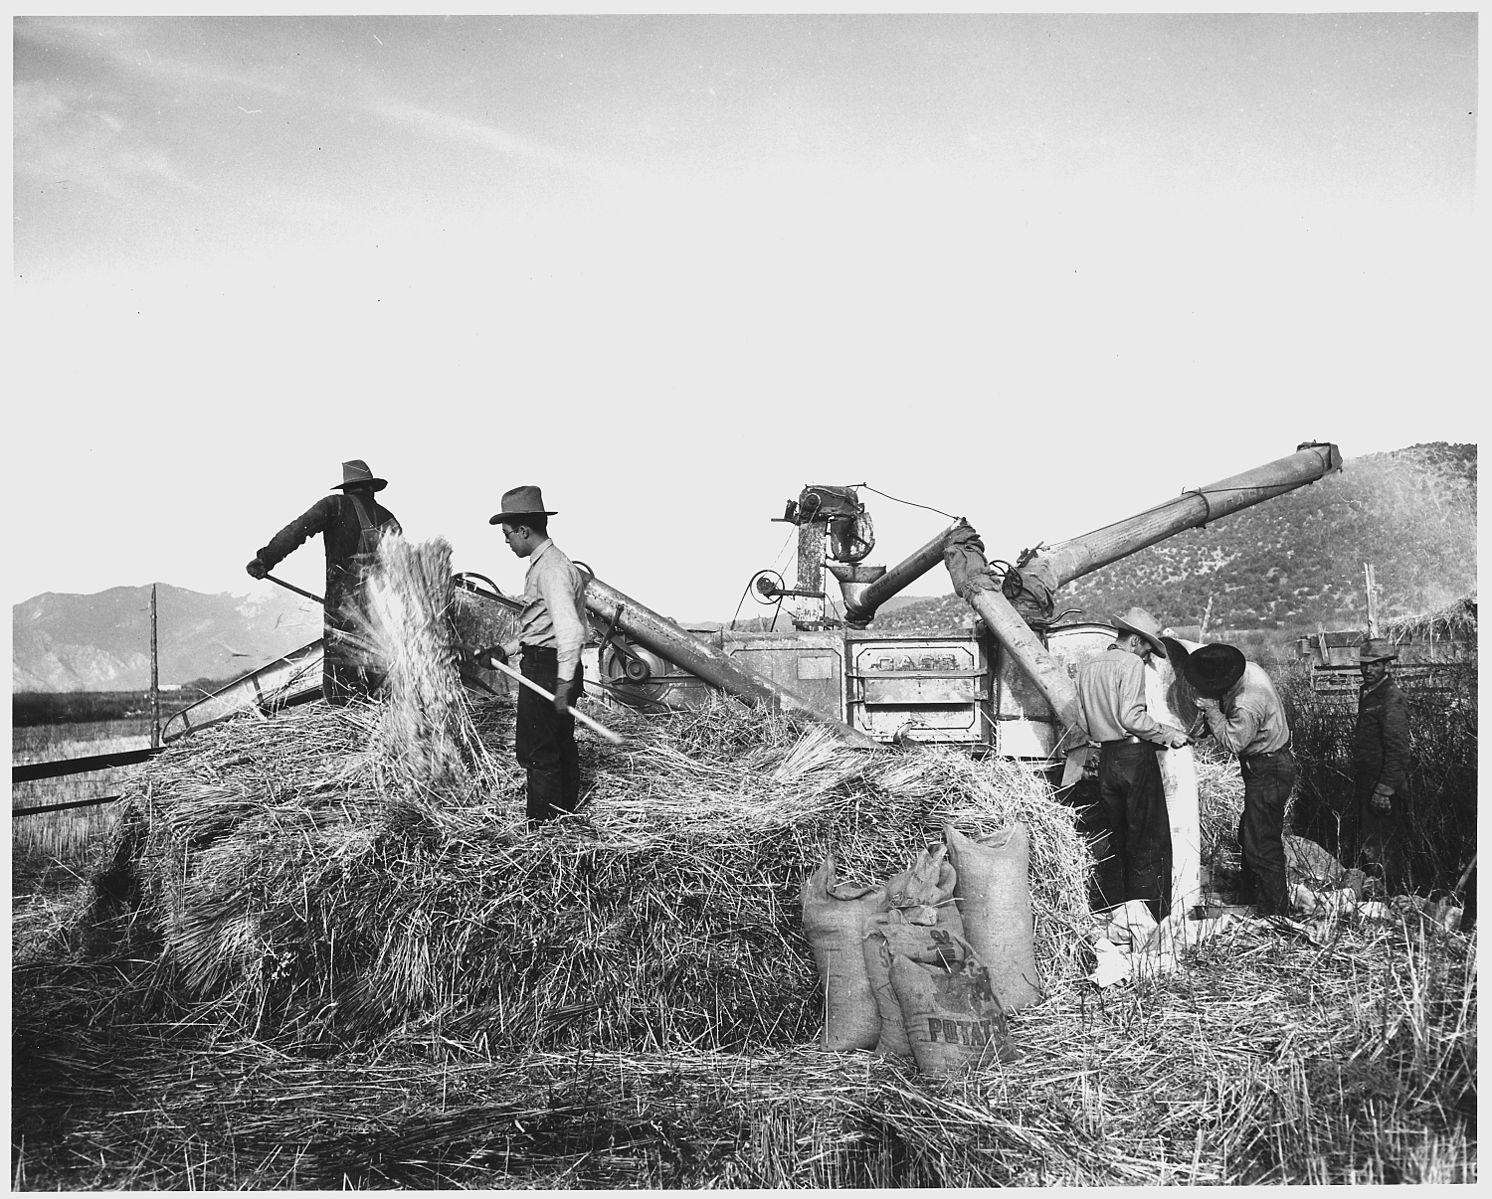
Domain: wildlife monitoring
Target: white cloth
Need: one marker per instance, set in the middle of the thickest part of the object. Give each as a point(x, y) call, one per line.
point(1178, 772)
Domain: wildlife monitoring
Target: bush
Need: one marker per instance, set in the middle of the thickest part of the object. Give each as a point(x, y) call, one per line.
point(1442, 770)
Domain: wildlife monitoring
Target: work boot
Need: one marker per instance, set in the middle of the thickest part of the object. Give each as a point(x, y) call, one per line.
point(545, 796)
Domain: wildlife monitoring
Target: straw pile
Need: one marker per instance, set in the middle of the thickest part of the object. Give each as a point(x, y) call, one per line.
point(1269, 1058)
point(282, 883)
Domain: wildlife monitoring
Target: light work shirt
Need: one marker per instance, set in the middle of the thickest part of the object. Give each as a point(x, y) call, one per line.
point(552, 607)
point(1111, 690)
point(1249, 719)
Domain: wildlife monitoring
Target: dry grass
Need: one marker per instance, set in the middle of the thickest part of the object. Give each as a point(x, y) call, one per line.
point(277, 876)
point(1268, 1059)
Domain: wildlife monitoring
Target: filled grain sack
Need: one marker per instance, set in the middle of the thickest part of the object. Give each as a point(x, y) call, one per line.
point(834, 916)
point(993, 893)
point(897, 932)
point(954, 1022)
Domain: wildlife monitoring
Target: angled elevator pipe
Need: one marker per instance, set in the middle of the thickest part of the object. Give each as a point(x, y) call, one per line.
point(687, 652)
point(973, 582)
point(1043, 573)
point(869, 596)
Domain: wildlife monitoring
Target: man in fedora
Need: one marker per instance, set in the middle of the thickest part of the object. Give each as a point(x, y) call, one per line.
point(1373, 828)
point(1243, 713)
point(350, 524)
point(552, 630)
point(1136, 827)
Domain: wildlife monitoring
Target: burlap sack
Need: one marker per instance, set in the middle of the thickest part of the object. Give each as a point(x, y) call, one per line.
point(927, 882)
point(834, 917)
point(1309, 864)
point(953, 1020)
point(892, 933)
point(993, 892)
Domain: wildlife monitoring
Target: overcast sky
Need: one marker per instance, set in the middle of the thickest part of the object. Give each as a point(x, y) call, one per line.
point(1037, 271)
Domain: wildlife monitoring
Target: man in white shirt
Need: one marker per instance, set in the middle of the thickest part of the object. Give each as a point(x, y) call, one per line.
point(551, 632)
point(1111, 690)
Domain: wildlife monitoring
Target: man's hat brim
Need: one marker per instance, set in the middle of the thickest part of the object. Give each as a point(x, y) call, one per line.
point(1175, 651)
point(1214, 669)
point(1157, 643)
point(374, 484)
point(505, 517)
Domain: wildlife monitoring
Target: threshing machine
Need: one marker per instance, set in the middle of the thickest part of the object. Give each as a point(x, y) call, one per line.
point(1002, 682)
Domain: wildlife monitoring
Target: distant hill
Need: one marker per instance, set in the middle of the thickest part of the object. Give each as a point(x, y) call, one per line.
point(101, 642)
point(1294, 561)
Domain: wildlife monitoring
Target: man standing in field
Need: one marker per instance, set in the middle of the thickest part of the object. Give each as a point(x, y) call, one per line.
point(1243, 712)
point(551, 632)
point(1132, 798)
point(1374, 828)
point(350, 525)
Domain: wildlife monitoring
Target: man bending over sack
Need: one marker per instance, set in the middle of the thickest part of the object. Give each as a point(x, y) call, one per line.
point(550, 636)
point(1244, 713)
point(1132, 795)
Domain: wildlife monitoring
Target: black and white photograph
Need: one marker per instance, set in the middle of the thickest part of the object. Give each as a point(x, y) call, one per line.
point(618, 600)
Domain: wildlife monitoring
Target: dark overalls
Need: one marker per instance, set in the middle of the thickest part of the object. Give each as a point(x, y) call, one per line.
point(351, 526)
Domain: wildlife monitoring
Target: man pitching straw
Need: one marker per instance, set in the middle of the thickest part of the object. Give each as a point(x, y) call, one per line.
point(1245, 716)
point(1132, 795)
point(350, 525)
point(550, 636)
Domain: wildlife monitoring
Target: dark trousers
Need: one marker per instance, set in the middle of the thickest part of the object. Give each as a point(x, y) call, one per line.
point(1138, 827)
point(343, 681)
point(545, 740)
point(1378, 840)
point(1267, 781)
point(1092, 823)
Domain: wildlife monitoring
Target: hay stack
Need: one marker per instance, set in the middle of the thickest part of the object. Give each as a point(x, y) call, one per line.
point(283, 885)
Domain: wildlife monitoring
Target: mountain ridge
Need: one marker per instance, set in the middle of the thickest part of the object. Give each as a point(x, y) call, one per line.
point(63, 641)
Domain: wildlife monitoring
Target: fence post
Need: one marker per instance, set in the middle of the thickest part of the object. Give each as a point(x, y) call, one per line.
point(155, 679)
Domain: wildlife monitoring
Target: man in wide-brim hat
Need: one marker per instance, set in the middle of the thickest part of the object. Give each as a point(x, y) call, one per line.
point(1244, 714)
point(1372, 829)
point(351, 524)
point(1135, 822)
point(552, 631)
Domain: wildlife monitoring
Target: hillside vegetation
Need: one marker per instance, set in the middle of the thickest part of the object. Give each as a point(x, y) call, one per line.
point(1295, 561)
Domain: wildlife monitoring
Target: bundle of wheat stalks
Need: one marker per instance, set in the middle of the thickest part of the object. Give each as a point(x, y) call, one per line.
point(403, 631)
